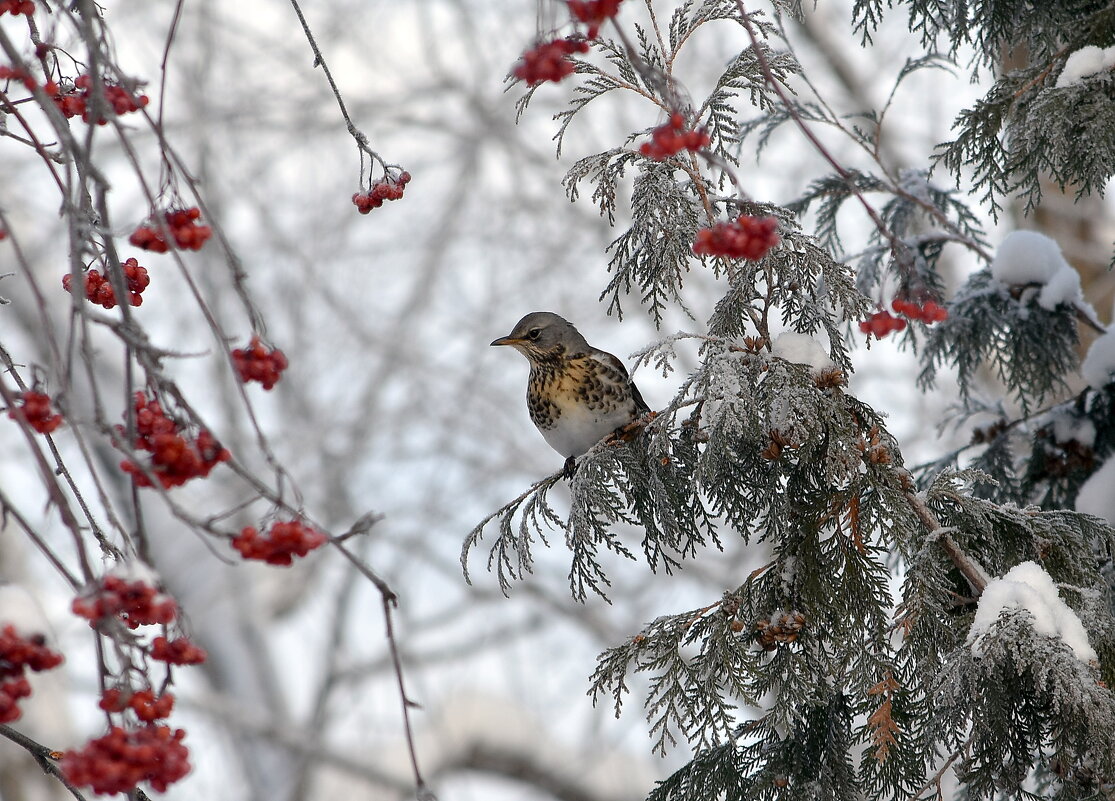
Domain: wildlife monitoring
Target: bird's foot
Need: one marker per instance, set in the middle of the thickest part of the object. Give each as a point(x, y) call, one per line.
point(570, 467)
point(626, 433)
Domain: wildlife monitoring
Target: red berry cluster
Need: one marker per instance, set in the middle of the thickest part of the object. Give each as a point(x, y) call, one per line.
point(16, 74)
point(174, 458)
point(177, 652)
point(257, 363)
point(99, 290)
point(383, 189)
point(593, 13)
point(283, 542)
point(15, 7)
point(928, 312)
point(882, 323)
point(671, 138)
point(18, 655)
point(121, 759)
point(549, 61)
point(134, 602)
point(76, 102)
point(146, 706)
point(746, 238)
point(36, 412)
point(187, 233)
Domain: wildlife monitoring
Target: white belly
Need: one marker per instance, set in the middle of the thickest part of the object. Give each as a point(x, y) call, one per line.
point(579, 428)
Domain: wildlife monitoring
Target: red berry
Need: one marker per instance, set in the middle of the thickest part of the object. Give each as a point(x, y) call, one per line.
point(746, 238)
point(35, 411)
point(177, 652)
point(121, 759)
point(549, 61)
point(257, 363)
point(281, 544)
point(19, 654)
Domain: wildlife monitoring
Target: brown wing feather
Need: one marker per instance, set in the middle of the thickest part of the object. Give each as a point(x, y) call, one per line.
point(613, 362)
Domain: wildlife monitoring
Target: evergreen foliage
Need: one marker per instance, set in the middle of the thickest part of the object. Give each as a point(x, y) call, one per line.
point(818, 676)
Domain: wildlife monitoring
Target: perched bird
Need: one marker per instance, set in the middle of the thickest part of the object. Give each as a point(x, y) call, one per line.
point(576, 394)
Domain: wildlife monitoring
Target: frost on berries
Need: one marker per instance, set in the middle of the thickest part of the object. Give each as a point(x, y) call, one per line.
point(257, 363)
point(745, 238)
point(19, 654)
point(175, 459)
point(35, 411)
point(133, 601)
point(121, 759)
point(179, 651)
point(99, 290)
point(184, 229)
point(383, 189)
point(280, 545)
point(670, 138)
point(78, 101)
point(549, 61)
point(593, 13)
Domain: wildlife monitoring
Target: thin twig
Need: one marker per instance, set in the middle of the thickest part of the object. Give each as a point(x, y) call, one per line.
point(319, 61)
point(45, 757)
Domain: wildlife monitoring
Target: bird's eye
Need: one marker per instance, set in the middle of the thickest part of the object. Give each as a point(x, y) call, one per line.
point(533, 333)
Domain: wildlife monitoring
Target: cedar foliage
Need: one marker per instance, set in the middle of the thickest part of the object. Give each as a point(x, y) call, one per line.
point(813, 678)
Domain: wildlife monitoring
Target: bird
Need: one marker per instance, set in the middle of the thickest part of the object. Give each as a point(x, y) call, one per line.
point(576, 394)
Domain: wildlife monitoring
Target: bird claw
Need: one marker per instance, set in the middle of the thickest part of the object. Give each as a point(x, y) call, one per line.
point(628, 432)
point(570, 468)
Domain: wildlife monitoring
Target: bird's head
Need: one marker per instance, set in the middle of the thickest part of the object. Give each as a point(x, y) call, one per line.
point(544, 335)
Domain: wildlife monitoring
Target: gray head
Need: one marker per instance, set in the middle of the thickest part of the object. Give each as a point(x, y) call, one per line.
point(544, 335)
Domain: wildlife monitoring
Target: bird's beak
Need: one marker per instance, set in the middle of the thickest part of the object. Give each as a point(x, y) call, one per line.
point(505, 341)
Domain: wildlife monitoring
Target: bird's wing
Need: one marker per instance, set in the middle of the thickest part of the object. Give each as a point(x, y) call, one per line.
point(611, 361)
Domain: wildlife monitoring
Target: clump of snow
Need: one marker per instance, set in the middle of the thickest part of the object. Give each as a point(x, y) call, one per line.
point(802, 349)
point(135, 570)
point(1028, 587)
point(1027, 257)
point(1067, 427)
point(1097, 494)
point(1098, 368)
point(1084, 63)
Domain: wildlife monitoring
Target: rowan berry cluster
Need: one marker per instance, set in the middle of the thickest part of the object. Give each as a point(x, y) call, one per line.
point(179, 651)
point(78, 101)
point(549, 61)
point(121, 759)
point(928, 312)
point(16, 74)
point(593, 13)
point(135, 602)
point(882, 323)
point(175, 459)
point(281, 544)
point(185, 230)
point(36, 412)
point(745, 238)
point(147, 707)
point(383, 189)
point(99, 290)
point(671, 138)
point(18, 655)
point(15, 7)
point(257, 363)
